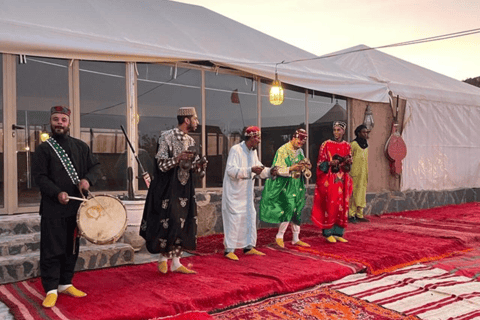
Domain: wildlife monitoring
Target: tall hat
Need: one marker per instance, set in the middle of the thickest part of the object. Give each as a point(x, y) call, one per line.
point(252, 131)
point(187, 112)
point(340, 124)
point(60, 109)
point(300, 134)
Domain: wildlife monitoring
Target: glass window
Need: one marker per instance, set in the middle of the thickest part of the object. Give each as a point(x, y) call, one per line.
point(2, 189)
point(102, 111)
point(161, 91)
point(231, 105)
point(322, 112)
point(280, 122)
point(41, 84)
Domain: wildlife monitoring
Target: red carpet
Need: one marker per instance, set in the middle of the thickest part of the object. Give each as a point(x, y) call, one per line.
point(384, 251)
point(468, 233)
point(320, 303)
point(141, 292)
point(265, 236)
point(455, 222)
point(467, 212)
point(467, 264)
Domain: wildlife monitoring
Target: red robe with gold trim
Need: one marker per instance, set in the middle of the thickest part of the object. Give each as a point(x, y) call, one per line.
point(333, 190)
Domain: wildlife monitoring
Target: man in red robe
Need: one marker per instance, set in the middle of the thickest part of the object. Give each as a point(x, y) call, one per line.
point(334, 185)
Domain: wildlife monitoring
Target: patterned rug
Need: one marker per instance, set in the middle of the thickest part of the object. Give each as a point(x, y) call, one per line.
point(320, 303)
point(192, 315)
point(420, 290)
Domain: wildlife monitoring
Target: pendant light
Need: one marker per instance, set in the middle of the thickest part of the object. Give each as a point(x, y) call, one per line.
point(276, 91)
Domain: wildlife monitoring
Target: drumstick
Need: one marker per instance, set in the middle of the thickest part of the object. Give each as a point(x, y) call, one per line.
point(75, 198)
point(93, 197)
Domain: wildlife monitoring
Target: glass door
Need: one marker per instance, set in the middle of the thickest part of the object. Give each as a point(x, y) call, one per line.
point(41, 84)
point(2, 176)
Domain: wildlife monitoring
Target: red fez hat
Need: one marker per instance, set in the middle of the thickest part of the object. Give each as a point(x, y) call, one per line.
point(300, 134)
point(252, 131)
point(60, 109)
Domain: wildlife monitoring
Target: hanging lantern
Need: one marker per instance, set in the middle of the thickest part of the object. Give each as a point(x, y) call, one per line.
point(276, 92)
point(368, 120)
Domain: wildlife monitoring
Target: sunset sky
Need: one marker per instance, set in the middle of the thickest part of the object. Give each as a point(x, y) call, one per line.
point(321, 27)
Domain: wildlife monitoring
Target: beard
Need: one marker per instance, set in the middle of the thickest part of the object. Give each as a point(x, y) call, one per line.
point(191, 128)
point(59, 131)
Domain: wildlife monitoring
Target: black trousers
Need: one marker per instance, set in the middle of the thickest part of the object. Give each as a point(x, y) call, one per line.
point(58, 251)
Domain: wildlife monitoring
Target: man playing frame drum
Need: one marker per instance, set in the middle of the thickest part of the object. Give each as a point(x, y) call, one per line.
point(62, 166)
point(169, 223)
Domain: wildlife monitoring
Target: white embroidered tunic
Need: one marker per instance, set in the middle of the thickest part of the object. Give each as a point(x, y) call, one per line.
point(238, 209)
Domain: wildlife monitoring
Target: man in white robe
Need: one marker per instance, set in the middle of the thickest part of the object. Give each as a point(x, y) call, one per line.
point(238, 208)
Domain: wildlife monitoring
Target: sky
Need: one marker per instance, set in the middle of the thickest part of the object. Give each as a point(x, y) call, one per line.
point(324, 26)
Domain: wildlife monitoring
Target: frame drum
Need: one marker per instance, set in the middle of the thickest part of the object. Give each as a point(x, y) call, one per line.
point(102, 219)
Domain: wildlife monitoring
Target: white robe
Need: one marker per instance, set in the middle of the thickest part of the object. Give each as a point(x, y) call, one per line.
point(238, 208)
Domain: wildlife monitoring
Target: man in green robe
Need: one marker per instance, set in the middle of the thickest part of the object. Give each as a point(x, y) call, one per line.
point(283, 197)
point(359, 174)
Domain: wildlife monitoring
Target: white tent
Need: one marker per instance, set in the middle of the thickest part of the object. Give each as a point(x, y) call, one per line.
point(441, 132)
point(160, 31)
point(442, 121)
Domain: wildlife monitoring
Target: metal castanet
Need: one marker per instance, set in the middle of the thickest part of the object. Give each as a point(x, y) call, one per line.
point(201, 164)
point(305, 167)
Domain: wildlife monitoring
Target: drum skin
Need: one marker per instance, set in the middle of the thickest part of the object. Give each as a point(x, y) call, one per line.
point(102, 219)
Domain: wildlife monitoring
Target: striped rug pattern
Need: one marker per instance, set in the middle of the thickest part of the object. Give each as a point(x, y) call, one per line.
point(421, 290)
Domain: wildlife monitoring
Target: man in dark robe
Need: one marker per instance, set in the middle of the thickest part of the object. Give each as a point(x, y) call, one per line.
point(169, 223)
point(57, 181)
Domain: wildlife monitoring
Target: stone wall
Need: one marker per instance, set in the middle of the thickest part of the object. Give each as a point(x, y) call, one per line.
point(210, 204)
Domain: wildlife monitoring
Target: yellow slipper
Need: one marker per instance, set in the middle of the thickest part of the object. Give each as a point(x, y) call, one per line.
point(185, 270)
point(255, 252)
point(162, 266)
point(231, 256)
point(301, 244)
point(74, 292)
point(280, 243)
point(50, 300)
point(331, 239)
point(341, 239)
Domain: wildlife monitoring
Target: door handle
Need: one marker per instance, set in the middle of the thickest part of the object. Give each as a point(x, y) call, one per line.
point(15, 127)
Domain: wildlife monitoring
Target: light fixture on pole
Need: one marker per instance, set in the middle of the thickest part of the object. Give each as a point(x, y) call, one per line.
point(368, 120)
point(276, 91)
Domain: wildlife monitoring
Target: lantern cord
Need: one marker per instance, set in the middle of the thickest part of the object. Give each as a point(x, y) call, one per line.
point(398, 44)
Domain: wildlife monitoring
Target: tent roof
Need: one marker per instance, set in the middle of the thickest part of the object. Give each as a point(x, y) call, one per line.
point(404, 78)
point(163, 31)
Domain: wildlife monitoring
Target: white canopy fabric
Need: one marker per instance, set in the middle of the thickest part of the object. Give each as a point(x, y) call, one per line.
point(161, 31)
point(441, 128)
point(440, 132)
